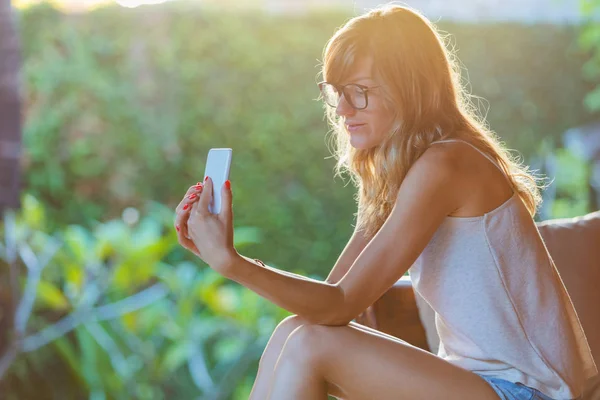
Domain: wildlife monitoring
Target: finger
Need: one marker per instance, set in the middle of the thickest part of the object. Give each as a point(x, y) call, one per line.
point(181, 217)
point(205, 197)
point(181, 220)
point(182, 233)
point(196, 189)
point(192, 211)
point(189, 200)
point(226, 213)
point(183, 212)
point(187, 243)
point(192, 199)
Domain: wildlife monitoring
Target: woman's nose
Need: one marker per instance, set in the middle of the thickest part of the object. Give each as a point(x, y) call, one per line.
point(344, 108)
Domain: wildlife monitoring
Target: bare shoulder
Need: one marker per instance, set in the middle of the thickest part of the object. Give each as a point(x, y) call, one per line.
point(452, 155)
point(444, 153)
point(478, 184)
point(439, 165)
point(435, 180)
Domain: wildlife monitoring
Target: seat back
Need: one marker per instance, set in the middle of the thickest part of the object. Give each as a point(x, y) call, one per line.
point(574, 245)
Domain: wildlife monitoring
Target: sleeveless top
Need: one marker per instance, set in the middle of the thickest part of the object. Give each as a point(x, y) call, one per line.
point(501, 307)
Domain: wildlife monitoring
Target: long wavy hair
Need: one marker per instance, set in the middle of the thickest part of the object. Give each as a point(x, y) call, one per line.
point(421, 85)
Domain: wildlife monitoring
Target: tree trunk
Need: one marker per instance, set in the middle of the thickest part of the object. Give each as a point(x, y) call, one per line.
point(10, 150)
point(10, 110)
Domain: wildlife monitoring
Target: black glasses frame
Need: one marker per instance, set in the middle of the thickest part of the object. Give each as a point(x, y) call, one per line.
point(342, 89)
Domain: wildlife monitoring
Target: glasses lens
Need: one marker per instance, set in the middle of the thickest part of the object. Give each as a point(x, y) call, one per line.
point(356, 96)
point(330, 94)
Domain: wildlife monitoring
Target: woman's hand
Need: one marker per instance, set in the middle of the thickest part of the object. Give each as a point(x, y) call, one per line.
point(210, 235)
point(182, 213)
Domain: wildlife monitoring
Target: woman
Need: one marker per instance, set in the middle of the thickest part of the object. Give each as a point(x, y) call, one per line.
point(438, 194)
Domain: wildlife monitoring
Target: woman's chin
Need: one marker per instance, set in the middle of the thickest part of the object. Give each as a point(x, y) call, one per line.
point(360, 142)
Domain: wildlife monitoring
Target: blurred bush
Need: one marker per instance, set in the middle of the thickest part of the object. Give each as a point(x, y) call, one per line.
point(114, 312)
point(122, 105)
point(589, 40)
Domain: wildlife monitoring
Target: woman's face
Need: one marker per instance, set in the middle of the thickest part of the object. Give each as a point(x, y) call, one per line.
point(367, 127)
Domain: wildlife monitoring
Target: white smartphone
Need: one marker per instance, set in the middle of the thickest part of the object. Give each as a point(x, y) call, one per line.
point(217, 168)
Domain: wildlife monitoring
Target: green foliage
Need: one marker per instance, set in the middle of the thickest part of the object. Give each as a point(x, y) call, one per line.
point(571, 180)
point(123, 105)
point(140, 327)
point(121, 108)
point(589, 40)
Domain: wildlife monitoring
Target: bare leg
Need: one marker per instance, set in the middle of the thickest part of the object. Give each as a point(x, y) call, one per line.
point(297, 375)
point(366, 366)
point(266, 365)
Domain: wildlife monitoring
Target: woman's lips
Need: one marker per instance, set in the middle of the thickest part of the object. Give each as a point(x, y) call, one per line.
point(354, 127)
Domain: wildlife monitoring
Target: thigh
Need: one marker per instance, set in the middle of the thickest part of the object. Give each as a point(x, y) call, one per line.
point(368, 364)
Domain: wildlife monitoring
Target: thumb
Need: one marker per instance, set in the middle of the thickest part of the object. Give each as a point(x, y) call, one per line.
point(226, 201)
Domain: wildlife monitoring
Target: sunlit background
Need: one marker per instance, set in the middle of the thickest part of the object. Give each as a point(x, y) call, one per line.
point(561, 11)
point(121, 101)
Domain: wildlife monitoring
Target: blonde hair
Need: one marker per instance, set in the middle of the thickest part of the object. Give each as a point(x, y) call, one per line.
point(421, 85)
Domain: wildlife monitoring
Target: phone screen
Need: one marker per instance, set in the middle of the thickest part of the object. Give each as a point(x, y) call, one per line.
point(217, 168)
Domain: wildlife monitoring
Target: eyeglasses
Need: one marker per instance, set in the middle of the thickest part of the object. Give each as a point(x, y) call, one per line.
point(355, 94)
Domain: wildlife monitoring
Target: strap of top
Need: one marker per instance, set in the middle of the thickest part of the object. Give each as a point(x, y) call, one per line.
point(480, 152)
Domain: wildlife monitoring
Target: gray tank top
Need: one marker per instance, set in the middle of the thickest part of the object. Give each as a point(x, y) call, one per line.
point(501, 307)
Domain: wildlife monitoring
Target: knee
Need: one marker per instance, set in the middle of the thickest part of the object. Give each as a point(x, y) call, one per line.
point(303, 341)
point(296, 336)
point(289, 325)
point(279, 337)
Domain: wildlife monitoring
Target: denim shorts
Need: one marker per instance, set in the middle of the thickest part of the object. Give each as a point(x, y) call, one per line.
point(507, 390)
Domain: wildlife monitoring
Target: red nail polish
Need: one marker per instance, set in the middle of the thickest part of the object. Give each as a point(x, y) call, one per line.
point(177, 227)
point(205, 179)
point(198, 186)
point(186, 206)
point(192, 196)
point(228, 184)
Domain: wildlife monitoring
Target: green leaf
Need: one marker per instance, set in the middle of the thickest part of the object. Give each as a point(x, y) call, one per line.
point(89, 358)
point(33, 213)
point(77, 240)
point(592, 100)
point(49, 295)
point(176, 355)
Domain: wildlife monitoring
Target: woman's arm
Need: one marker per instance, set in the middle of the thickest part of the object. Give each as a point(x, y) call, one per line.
point(355, 246)
point(314, 298)
point(251, 274)
point(308, 298)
